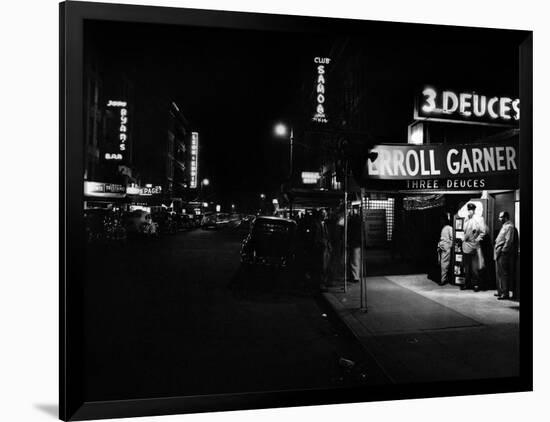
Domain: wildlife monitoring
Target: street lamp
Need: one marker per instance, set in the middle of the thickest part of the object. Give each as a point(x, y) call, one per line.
point(204, 182)
point(282, 131)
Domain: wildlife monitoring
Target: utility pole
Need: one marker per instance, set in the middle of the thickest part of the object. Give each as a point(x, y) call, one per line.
point(291, 164)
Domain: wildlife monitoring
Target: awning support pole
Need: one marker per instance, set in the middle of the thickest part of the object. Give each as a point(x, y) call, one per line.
point(346, 227)
point(363, 285)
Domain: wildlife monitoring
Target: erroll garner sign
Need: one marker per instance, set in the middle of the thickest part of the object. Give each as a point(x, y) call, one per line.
point(444, 166)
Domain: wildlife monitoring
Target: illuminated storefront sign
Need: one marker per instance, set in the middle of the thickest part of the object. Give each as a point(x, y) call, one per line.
point(121, 131)
point(466, 107)
point(107, 190)
point(194, 159)
point(150, 190)
point(310, 177)
point(444, 166)
point(132, 190)
point(320, 94)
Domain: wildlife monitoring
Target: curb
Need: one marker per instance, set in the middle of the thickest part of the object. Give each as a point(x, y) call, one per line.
point(356, 329)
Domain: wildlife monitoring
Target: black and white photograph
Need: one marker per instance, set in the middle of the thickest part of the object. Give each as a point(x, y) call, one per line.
point(273, 210)
point(262, 210)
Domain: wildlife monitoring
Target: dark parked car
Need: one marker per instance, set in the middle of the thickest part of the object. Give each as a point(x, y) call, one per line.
point(184, 221)
point(271, 242)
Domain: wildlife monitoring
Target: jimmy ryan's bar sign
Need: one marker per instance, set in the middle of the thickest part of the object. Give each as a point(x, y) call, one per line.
point(443, 166)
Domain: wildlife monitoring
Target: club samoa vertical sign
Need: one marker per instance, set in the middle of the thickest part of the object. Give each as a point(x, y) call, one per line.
point(321, 64)
point(442, 167)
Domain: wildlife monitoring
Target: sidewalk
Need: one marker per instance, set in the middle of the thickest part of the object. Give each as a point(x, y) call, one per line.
point(418, 331)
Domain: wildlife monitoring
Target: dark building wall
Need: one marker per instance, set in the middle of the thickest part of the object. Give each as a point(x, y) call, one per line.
point(162, 136)
point(103, 81)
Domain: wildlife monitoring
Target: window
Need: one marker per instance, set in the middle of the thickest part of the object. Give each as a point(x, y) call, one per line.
point(383, 204)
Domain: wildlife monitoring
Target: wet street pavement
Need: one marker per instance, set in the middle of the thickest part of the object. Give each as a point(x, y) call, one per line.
point(175, 316)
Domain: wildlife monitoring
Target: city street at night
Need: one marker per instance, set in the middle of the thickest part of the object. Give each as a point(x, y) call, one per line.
point(286, 210)
point(170, 301)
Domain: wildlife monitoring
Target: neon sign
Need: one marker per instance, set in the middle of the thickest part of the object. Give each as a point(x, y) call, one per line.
point(310, 177)
point(467, 107)
point(122, 135)
point(194, 159)
point(320, 113)
point(440, 160)
point(149, 190)
point(109, 190)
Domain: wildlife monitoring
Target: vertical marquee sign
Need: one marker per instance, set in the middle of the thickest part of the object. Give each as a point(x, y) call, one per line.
point(117, 149)
point(320, 83)
point(194, 159)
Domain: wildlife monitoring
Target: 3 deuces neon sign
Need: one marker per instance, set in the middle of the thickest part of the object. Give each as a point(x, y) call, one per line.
point(467, 107)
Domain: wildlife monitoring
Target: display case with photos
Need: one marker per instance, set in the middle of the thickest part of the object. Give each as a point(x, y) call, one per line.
point(458, 266)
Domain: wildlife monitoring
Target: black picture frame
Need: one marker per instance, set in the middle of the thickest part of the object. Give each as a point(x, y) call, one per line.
point(73, 406)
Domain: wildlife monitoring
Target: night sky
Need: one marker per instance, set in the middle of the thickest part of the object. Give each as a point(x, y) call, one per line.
point(234, 85)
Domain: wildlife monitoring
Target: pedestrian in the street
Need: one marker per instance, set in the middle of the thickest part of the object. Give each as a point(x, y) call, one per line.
point(321, 247)
point(474, 232)
point(504, 255)
point(354, 239)
point(335, 234)
point(444, 248)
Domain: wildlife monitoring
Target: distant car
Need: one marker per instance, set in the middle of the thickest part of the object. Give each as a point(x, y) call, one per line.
point(222, 220)
point(215, 221)
point(184, 221)
point(271, 242)
point(208, 221)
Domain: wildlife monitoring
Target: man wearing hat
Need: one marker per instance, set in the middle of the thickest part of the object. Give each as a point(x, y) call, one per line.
point(474, 232)
point(504, 255)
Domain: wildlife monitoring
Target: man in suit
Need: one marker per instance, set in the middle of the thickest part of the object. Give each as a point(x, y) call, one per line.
point(504, 255)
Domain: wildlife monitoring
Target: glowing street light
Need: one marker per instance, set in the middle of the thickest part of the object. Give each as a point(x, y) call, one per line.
point(262, 195)
point(282, 130)
point(205, 182)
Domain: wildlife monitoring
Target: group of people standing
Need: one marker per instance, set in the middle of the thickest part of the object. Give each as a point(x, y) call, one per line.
point(474, 257)
point(324, 246)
